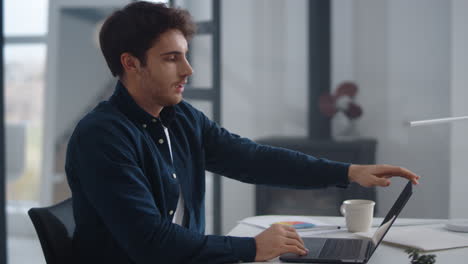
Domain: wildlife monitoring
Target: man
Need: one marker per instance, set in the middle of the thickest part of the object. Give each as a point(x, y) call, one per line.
point(136, 163)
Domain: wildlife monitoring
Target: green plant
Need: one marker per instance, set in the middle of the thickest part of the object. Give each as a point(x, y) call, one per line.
point(416, 258)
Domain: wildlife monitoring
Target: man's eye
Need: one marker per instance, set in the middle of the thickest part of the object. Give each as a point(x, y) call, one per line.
point(171, 58)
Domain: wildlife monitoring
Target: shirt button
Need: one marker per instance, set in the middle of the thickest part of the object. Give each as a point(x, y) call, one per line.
point(161, 141)
point(144, 125)
point(154, 120)
point(171, 212)
point(174, 176)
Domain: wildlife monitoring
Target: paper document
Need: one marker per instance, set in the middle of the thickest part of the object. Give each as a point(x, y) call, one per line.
point(422, 238)
point(301, 223)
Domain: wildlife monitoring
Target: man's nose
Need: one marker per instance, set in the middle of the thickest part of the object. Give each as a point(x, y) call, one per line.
point(187, 69)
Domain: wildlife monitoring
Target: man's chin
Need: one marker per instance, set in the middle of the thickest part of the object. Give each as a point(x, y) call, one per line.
point(174, 100)
point(178, 99)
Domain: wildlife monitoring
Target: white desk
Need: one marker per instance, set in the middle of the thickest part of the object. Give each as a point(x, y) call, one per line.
point(385, 254)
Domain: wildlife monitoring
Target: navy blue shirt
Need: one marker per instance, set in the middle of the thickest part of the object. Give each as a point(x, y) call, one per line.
point(125, 187)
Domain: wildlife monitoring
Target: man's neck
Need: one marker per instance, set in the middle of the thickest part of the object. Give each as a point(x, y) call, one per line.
point(142, 100)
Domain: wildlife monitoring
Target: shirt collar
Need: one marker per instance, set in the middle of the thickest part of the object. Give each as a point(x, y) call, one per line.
point(125, 103)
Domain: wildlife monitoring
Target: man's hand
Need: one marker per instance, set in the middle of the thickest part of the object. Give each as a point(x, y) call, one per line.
point(378, 175)
point(277, 240)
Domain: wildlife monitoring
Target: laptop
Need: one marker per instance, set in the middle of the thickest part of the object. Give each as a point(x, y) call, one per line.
point(348, 250)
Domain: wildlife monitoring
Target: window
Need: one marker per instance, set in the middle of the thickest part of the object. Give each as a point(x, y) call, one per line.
point(24, 64)
point(24, 87)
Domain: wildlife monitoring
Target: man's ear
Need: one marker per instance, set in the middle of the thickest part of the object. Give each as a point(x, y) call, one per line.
point(130, 63)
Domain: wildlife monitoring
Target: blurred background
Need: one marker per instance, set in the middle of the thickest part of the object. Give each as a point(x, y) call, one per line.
point(336, 79)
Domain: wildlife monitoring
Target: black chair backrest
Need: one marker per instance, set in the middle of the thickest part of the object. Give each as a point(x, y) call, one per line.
point(55, 226)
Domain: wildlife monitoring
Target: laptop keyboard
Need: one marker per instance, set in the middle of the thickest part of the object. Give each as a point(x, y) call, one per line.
point(341, 249)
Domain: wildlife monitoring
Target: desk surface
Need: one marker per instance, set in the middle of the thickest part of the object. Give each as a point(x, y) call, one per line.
point(385, 254)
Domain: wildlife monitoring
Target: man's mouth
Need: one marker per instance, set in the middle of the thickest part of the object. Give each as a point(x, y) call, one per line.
point(180, 86)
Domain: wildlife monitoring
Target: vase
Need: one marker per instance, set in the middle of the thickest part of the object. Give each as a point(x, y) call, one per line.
point(343, 128)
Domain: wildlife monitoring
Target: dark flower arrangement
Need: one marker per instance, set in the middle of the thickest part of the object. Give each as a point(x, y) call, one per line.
point(419, 259)
point(341, 101)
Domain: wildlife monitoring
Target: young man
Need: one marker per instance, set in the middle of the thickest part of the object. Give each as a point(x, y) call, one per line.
point(136, 163)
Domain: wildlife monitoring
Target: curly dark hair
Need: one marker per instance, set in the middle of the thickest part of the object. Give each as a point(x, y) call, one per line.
point(136, 27)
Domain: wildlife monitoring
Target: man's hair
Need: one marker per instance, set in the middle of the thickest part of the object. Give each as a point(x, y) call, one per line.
point(136, 27)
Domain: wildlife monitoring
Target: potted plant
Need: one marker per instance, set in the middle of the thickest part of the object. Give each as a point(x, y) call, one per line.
point(416, 258)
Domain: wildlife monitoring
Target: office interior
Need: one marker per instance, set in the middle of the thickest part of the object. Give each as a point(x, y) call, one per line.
point(272, 74)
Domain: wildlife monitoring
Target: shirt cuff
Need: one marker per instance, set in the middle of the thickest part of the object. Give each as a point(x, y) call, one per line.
point(244, 248)
point(339, 172)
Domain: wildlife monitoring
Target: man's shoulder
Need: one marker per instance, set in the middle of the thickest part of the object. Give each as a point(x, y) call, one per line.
point(104, 118)
point(184, 107)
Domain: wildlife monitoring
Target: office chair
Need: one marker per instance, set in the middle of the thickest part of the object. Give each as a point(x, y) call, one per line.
point(55, 226)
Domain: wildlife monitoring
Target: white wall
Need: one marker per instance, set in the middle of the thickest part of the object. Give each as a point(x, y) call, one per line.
point(459, 84)
point(418, 88)
point(264, 56)
point(401, 62)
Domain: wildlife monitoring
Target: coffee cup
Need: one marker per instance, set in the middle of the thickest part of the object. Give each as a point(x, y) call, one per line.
point(358, 214)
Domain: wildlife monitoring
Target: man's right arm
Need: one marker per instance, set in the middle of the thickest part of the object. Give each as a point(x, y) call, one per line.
point(105, 167)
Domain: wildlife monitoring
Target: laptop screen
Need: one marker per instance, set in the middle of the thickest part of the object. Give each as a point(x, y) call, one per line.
point(392, 215)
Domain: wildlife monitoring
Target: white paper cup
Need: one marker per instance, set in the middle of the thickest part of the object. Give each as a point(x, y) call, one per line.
point(358, 214)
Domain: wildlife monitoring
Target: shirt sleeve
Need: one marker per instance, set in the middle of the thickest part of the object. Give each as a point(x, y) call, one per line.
point(240, 158)
point(106, 168)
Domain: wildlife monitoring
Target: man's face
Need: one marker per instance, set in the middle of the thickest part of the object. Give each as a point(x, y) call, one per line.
point(163, 78)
